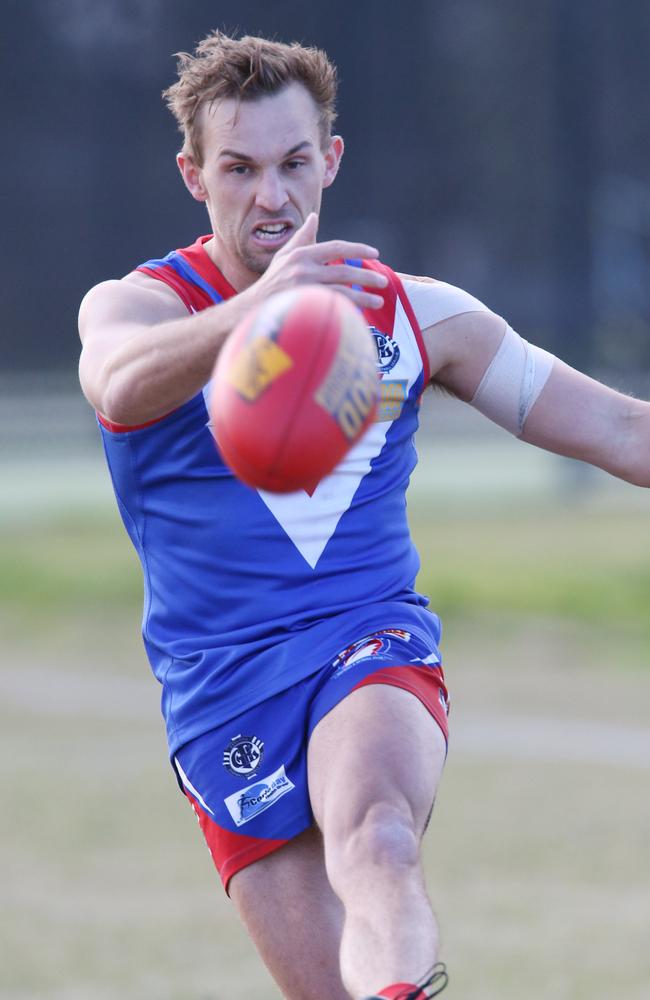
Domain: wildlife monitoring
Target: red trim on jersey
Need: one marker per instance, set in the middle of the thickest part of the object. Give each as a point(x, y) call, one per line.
point(408, 309)
point(169, 277)
point(384, 318)
point(426, 683)
point(202, 262)
point(192, 296)
point(231, 851)
point(123, 428)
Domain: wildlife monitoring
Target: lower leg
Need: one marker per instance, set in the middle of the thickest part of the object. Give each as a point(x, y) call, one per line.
point(294, 918)
point(375, 762)
point(389, 930)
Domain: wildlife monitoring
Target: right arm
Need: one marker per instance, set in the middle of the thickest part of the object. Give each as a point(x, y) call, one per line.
point(143, 356)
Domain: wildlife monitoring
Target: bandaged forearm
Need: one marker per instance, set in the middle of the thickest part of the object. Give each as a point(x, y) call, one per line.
point(517, 374)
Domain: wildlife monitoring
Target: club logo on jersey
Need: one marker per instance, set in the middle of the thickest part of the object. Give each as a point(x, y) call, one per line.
point(254, 799)
point(392, 396)
point(387, 350)
point(371, 645)
point(243, 756)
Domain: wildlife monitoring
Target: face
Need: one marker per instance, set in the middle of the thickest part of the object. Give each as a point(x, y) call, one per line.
point(264, 171)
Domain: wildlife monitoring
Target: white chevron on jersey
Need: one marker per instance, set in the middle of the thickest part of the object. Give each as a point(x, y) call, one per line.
point(310, 521)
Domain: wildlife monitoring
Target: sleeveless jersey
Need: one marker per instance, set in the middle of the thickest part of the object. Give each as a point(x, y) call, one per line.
point(247, 592)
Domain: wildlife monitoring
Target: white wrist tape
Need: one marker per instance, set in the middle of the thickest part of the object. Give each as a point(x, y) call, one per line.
point(514, 379)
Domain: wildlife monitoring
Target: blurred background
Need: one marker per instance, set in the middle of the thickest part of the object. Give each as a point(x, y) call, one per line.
point(498, 147)
point(503, 148)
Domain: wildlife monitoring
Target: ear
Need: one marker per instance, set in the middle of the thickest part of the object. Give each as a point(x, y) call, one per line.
point(192, 176)
point(333, 159)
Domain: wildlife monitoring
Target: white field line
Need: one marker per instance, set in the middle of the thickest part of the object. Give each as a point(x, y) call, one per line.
point(52, 692)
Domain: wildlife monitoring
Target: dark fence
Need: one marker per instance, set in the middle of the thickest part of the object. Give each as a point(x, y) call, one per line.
point(503, 147)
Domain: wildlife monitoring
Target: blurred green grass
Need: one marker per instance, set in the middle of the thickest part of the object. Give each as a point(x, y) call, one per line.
point(569, 562)
point(67, 563)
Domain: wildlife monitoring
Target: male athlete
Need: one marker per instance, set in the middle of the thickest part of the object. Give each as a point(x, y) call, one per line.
point(302, 689)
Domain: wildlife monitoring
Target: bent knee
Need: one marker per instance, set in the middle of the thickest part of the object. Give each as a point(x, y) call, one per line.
point(384, 837)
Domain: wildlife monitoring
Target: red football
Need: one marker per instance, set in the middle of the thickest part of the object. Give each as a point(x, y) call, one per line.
point(294, 387)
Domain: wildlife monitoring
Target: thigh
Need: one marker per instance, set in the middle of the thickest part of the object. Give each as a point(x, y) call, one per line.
point(378, 730)
point(380, 745)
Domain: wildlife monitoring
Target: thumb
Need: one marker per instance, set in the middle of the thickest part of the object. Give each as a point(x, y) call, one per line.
point(306, 234)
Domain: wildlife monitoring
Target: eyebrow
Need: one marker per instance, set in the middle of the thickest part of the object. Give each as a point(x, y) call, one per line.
point(234, 155)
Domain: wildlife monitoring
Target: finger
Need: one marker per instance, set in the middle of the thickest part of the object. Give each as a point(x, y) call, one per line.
point(333, 249)
point(365, 300)
point(347, 274)
point(305, 235)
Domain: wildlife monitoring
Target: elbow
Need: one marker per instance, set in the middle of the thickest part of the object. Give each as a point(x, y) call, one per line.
point(125, 401)
point(114, 411)
point(109, 392)
point(129, 398)
point(638, 477)
point(116, 403)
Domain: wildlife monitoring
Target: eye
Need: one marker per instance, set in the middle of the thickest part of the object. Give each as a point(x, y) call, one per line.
point(241, 169)
point(294, 164)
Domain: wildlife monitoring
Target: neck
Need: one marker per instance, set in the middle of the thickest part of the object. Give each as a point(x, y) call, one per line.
point(234, 271)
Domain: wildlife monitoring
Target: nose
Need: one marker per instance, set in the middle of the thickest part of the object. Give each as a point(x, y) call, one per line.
point(271, 193)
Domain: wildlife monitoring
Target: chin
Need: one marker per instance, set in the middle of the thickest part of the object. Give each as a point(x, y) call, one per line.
point(258, 263)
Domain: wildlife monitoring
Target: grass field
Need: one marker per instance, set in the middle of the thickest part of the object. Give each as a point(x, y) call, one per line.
point(538, 854)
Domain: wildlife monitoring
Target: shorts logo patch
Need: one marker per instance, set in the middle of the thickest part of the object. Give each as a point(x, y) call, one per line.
point(370, 645)
point(387, 350)
point(243, 756)
point(251, 801)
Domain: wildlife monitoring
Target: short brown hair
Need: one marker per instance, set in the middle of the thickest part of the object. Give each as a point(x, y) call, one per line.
point(247, 68)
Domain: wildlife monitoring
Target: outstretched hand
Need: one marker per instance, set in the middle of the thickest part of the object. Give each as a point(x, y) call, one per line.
point(303, 261)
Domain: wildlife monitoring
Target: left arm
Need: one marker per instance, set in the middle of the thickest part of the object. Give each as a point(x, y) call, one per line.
point(577, 416)
point(574, 415)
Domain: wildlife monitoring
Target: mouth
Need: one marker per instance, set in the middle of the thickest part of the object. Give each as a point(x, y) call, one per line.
point(272, 235)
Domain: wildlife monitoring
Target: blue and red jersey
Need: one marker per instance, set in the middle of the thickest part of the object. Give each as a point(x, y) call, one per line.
point(248, 592)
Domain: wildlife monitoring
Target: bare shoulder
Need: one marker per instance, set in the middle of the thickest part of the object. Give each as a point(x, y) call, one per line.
point(459, 331)
point(461, 347)
point(134, 299)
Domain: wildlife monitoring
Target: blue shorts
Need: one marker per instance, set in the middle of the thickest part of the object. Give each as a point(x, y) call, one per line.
point(247, 779)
